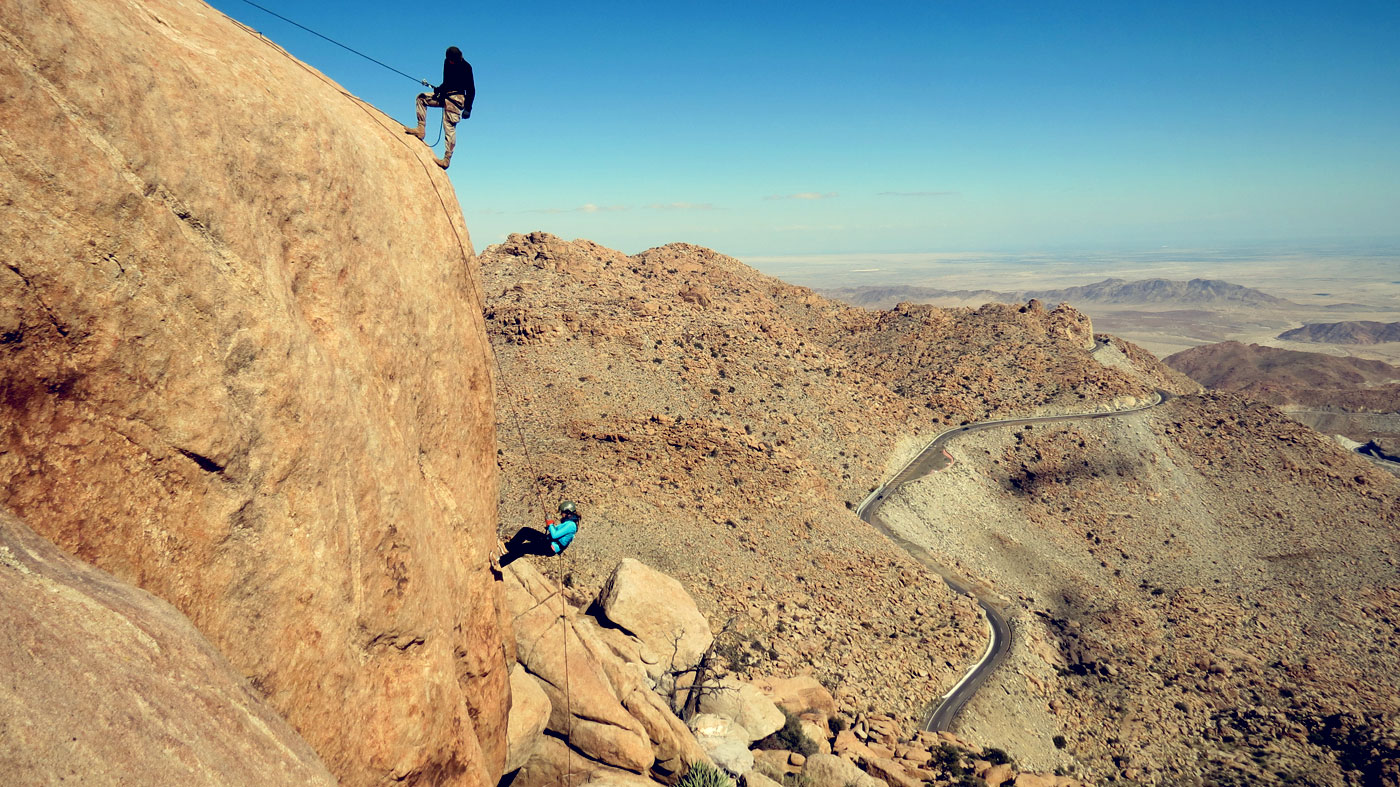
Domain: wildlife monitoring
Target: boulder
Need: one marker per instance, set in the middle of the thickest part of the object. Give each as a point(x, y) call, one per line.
point(996, 775)
point(529, 716)
point(799, 695)
point(658, 611)
point(105, 682)
point(732, 756)
point(755, 779)
point(1035, 780)
point(889, 772)
point(746, 705)
point(244, 368)
point(817, 734)
point(773, 761)
point(726, 742)
point(553, 763)
point(848, 744)
point(584, 707)
point(673, 745)
point(828, 770)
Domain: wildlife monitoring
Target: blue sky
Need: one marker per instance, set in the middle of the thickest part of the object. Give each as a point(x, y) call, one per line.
point(763, 128)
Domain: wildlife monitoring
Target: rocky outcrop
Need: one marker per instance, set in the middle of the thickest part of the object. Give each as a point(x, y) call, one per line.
point(601, 699)
point(242, 366)
point(725, 741)
point(656, 609)
point(106, 684)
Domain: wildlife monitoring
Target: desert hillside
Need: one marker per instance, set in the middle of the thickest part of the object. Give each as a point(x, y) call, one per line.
point(230, 376)
point(1281, 376)
point(721, 425)
point(1354, 397)
point(1347, 332)
point(1205, 593)
point(1168, 316)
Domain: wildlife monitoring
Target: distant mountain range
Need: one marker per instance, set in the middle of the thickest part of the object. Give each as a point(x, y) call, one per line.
point(1233, 366)
point(1352, 332)
point(1196, 292)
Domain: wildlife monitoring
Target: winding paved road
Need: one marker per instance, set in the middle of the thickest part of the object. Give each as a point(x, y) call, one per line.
point(932, 459)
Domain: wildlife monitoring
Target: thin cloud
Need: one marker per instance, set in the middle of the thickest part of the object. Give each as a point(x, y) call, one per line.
point(803, 195)
point(681, 206)
point(918, 194)
point(810, 228)
point(585, 208)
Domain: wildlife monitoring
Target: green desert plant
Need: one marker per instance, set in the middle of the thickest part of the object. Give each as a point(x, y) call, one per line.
point(996, 756)
point(790, 737)
point(703, 774)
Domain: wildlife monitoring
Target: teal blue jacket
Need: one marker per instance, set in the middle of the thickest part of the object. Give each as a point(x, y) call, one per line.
point(562, 534)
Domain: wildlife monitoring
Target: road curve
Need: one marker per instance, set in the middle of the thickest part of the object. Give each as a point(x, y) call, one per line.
point(932, 459)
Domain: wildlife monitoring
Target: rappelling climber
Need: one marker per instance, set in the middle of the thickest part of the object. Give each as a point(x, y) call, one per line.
point(455, 95)
point(557, 536)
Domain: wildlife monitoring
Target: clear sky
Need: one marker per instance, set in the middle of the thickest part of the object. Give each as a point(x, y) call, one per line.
point(760, 128)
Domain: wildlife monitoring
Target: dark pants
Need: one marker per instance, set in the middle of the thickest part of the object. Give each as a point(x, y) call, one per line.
point(527, 541)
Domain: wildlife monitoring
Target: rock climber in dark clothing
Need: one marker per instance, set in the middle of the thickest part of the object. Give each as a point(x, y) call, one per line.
point(455, 95)
point(554, 540)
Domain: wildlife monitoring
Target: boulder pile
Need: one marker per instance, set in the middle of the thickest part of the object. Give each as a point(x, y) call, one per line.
point(600, 719)
point(596, 692)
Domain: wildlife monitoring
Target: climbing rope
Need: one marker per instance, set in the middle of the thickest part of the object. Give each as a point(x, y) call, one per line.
point(481, 306)
point(337, 43)
point(364, 107)
point(568, 695)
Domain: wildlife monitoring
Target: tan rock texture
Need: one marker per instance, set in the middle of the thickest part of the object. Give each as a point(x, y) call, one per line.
point(242, 366)
point(106, 684)
point(584, 707)
point(529, 716)
point(746, 705)
point(656, 609)
point(800, 694)
point(600, 698)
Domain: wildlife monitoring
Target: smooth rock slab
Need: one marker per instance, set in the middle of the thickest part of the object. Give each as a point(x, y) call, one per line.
point(828, 770)
point(529, 716)
point(244, 368)
point(726, 742)
point(104, 683)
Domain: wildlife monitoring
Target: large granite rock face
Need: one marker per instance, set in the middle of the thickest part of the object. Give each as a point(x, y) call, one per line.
point(243, 366)
point(107, 684)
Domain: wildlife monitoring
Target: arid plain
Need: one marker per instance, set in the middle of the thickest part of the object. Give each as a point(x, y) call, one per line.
point(1316, 286)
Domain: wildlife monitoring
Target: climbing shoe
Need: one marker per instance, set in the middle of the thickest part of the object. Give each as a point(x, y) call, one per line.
point(414, 132)
point(441, 162)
